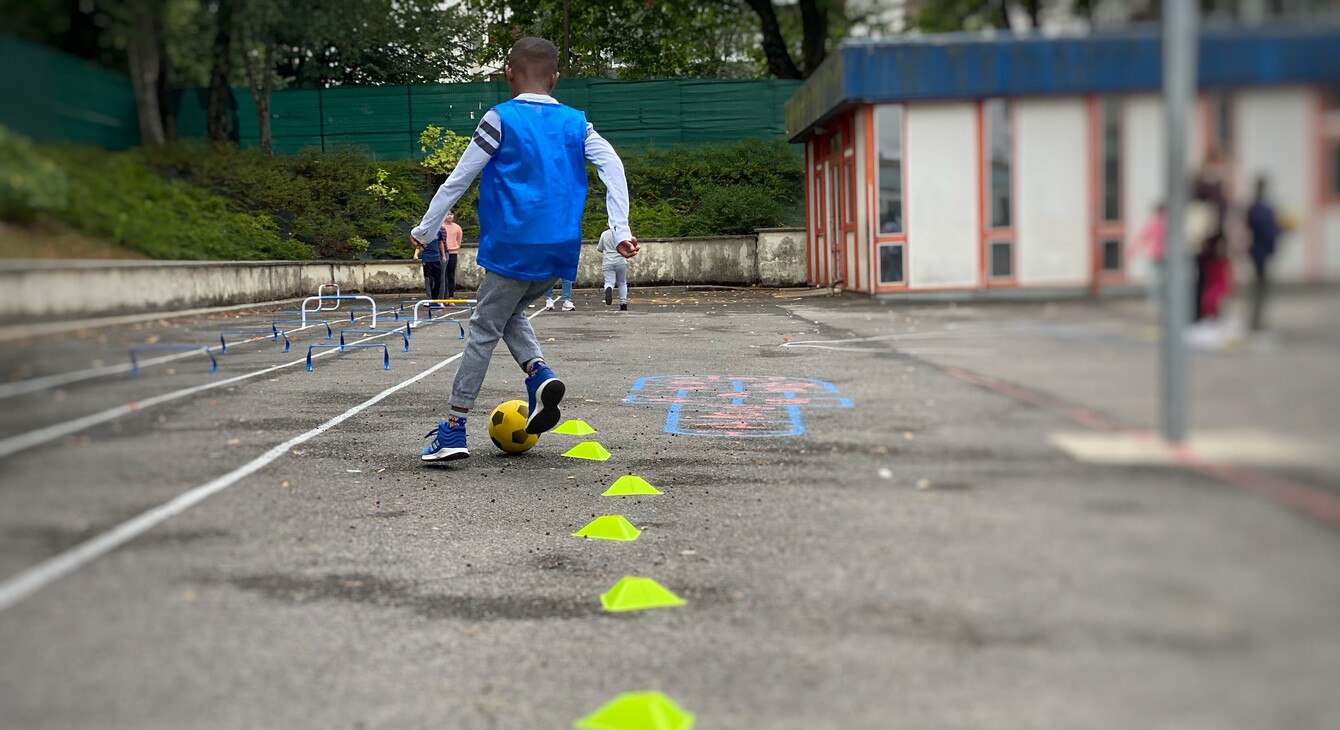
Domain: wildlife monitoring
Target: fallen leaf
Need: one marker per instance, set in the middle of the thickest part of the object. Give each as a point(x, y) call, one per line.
point(234, 442)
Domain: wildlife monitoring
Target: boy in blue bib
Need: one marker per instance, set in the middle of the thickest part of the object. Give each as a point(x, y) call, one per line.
point(532, 152)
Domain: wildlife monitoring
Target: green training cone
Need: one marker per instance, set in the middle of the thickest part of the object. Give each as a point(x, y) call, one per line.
point(574, 427)
point(588, 450)
point(634, 594)
point(610, 527)
point(637, 711)
point(629, 484)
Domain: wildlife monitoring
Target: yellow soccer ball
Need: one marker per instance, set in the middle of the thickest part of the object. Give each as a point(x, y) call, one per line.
point(507, 427)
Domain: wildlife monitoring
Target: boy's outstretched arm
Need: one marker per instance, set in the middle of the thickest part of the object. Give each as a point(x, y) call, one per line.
point(607, 162)
point(483, 145)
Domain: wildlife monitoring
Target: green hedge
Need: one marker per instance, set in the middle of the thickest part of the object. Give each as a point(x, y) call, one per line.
point(197, 201)
point(117, 197)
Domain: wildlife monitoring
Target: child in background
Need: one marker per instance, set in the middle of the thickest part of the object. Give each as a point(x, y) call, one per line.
point(432, 254)
point(1152, 241)
point(533, 153)
point(1218, 277)
point(615, 267)
point(453, 236)
point(566, 296)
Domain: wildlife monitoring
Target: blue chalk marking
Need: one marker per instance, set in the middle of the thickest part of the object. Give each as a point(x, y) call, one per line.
point(698, 406)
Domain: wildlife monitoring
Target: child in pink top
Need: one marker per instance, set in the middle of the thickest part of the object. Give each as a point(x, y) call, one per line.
point(453, 234)
point(1152, 241)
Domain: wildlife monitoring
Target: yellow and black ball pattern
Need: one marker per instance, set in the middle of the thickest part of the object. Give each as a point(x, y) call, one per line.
point(507, 427)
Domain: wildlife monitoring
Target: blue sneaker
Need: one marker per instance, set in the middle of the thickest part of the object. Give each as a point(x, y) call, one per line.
point(448, 442)
point(545, 391)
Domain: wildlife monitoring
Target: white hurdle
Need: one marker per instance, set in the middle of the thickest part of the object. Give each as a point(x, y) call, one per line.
point(321, 300)
point(421, 302)
point(322, 288)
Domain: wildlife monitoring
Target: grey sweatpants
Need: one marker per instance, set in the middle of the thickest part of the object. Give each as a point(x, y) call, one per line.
point(616, 277)
point(500, 311)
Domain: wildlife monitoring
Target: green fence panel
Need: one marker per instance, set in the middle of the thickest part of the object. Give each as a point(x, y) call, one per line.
point(457, 107)
point(360, 109)
point(29, 108)
point(49, 95)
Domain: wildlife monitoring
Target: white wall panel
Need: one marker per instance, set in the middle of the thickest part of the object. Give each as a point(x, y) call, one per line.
point(1274, 138)
point(1051, 182)
point(1329, 224)
point(942, 180)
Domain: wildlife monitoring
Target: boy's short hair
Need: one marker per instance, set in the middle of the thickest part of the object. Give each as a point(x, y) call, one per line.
point(534, 55)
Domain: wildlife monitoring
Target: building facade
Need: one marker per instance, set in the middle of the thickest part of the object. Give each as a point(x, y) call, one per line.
point(970, 164)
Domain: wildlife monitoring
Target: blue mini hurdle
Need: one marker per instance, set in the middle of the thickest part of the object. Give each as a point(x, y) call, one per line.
point(275, 325)
point(395, 313)
point(274, 333)
point(386, 352)
point(403, 333)
point(135, 366)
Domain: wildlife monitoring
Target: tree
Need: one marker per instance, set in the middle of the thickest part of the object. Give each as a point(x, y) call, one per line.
point(815, 20)
point(257, 31)
point(627, 39)
point(942, 16)
point(218, 129)
point(139, 28)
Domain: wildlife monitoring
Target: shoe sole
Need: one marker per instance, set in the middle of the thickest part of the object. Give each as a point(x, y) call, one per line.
point(445, 455)
point(609, 296)
point(547, 398)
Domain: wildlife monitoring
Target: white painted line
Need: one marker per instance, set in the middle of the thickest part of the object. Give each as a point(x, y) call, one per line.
point(43, 574)
point(23, 441)
point(53, 569)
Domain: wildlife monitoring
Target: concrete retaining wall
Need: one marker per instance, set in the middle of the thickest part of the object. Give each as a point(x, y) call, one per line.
point(773, 257)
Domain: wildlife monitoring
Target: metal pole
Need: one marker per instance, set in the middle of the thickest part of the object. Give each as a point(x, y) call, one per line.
point(1180, 47)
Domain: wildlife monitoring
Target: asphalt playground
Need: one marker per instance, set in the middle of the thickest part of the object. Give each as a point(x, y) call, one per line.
point(876, 515)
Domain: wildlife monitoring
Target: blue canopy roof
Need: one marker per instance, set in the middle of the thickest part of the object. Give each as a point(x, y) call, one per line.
point(961, 66)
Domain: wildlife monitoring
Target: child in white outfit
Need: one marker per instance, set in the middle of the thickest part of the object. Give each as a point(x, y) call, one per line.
point(615, 267)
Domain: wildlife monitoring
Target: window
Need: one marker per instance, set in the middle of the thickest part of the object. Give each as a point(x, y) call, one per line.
point(1111, 176)
point(999, 162)
point(1112, 255)
point(889, 131)
point(891, 263)
point(1002, 260)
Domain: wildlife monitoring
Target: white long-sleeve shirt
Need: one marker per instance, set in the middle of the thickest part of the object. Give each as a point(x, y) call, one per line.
point(484, 145)
point(609, 250)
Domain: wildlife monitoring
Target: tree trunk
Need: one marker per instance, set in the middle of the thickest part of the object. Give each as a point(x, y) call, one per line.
point(260, 80)
point(217, 129)
point(143, 62)
point(814, 45)
point(167, 107)
point(1034, 10)
point(774, 46)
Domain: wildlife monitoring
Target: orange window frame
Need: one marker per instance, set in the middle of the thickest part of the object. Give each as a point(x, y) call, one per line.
point(990, 234)
point(1101, 229)
point(872, 200)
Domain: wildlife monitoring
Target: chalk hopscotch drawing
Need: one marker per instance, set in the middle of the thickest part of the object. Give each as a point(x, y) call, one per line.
point(735, 406)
